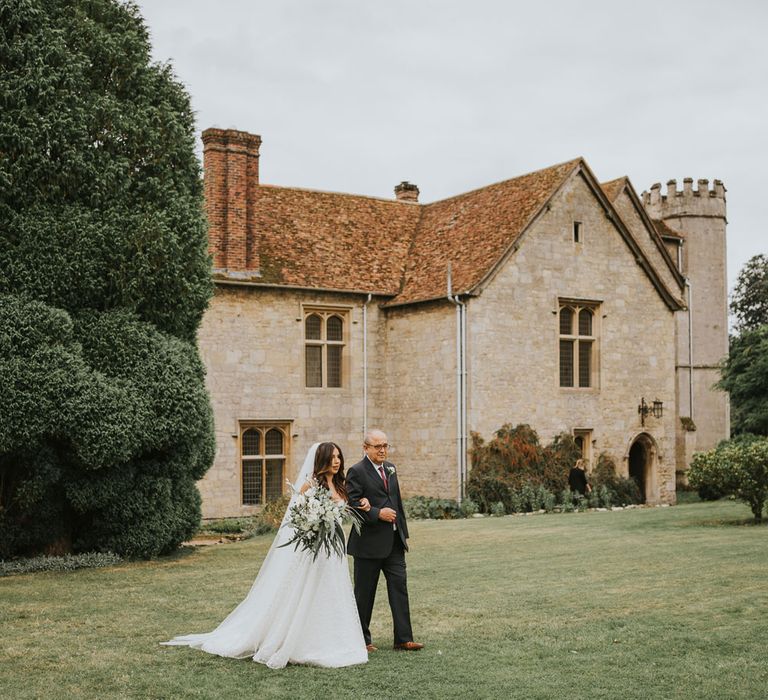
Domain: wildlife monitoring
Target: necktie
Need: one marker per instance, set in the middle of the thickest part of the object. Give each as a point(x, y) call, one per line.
point(384, 478)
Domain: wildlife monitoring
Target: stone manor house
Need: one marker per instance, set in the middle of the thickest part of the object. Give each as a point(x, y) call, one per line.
point(551, 299)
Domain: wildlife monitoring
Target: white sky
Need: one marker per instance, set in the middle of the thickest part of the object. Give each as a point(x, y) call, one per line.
point(357, 95)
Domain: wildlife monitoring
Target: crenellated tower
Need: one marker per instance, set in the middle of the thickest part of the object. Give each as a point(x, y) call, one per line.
point(692, 224)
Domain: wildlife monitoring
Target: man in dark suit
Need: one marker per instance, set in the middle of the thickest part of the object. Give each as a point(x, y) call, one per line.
point(382, 542)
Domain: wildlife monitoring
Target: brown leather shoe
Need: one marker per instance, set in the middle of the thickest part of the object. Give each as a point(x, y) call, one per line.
point(369, 648)
point(408, 646)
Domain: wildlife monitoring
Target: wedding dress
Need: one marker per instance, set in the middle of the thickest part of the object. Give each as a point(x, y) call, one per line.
point(298, 610)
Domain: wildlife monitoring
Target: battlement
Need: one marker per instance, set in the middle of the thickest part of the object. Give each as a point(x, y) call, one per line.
point(701, 201)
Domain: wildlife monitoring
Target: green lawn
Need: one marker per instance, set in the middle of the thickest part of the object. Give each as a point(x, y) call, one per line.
point(646, 603)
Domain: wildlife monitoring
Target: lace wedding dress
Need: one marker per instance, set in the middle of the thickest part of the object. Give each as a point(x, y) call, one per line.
point(298, 610)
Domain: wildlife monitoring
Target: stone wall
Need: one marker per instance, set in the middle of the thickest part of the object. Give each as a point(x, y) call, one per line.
point(418, 395)
point(514, 339)
point(251, 341)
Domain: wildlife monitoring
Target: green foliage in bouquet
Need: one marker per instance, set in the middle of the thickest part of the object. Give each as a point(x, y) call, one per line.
point(104, 277)
point(316, 521)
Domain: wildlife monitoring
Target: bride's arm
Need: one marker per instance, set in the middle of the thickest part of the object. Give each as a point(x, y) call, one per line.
point(305, 487)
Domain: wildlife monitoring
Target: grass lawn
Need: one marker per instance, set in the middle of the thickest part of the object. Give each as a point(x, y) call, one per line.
point(646, 603)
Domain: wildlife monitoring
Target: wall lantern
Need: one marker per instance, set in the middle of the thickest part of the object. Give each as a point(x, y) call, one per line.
point(655, 409)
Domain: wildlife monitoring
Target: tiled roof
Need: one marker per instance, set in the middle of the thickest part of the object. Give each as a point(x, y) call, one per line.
point(326, 240)
point(400, 249)
point(473, 231)
point(612, 188)
point(667, 231)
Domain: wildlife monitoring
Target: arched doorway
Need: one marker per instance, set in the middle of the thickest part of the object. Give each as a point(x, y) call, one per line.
point(642, 463)
point(638, 466)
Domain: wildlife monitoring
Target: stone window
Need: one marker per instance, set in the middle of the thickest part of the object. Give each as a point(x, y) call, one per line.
point(578, 343)
point(324, 334)
point(583, 439)
point(577, 231)
point(263, 453)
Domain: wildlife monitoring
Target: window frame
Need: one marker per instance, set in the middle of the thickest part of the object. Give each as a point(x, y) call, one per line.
point(586, 435)
point(263, 427)
point(576, 339)
point(325, 313)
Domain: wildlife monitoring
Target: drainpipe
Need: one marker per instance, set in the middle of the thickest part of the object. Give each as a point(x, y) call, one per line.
point(365, 365)
point(464, 401)
point(461, 388)
point(690, 348)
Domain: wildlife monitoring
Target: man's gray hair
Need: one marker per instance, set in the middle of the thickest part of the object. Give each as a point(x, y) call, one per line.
point(372, 433)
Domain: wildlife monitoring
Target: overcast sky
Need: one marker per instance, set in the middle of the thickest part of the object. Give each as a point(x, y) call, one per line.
point(357, 95)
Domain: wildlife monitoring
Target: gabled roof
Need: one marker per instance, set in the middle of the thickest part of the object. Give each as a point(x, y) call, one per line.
point(473, 231)
point(327, 240)
point(613, 189)
point(402, 250)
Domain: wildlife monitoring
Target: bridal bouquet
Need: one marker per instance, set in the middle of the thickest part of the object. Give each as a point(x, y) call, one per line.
point(317, 522)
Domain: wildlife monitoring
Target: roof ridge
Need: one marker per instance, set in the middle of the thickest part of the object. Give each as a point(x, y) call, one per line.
point(350, 195)
point(507, 180)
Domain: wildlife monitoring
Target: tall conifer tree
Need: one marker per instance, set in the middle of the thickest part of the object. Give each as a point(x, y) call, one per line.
point(104, 278)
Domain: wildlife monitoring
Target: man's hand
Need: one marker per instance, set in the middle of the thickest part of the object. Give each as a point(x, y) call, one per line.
point(387, 515)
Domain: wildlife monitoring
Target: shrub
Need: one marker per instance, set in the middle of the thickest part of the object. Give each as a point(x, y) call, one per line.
point(514, 462)
point(272, 513)
point(498, 509)
point(425, 507)
point(485, 490)
point(468, 508)
point(529, 497)
point(627, 492)
point(228, 526)
point(736, 467)
point(547, 499)
point(604, 496)
point(516, 503)
point(616, 490)
point(709, 492)
point(68, 562)
point(559, 456)
point(269, 517)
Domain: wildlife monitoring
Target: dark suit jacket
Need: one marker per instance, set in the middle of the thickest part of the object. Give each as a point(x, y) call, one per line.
point(376, 536)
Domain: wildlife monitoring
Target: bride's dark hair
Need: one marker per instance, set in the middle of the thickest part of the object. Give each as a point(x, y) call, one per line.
point(323, 458)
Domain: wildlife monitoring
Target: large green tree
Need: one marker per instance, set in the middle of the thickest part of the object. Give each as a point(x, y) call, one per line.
point(745, 378)
point(104, 278)
point(744, 374)
point(749, 300)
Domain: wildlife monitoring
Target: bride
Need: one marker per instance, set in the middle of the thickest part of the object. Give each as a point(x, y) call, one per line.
point(298, 610)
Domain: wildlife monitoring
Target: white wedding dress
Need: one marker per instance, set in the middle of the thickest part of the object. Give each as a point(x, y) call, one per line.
point(298, 610)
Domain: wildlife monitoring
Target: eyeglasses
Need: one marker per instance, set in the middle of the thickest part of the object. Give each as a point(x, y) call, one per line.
point(378, 448)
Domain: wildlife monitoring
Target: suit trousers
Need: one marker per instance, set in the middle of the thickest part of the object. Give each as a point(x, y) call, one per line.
point(366, 580)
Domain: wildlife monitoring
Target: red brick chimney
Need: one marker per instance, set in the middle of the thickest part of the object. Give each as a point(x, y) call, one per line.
point(231, 167)
point(407, 192)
